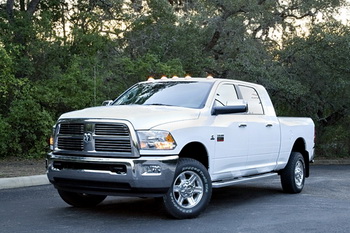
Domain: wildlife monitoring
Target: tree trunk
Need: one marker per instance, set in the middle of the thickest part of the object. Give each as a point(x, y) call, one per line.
point(9, 9)
point(32, 7)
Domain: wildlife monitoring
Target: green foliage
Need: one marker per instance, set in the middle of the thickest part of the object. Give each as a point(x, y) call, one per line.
point(59, 57)
point(8, 82)
point(334, 140)
point(319, 63)
point(5, 136)
point(69, 90)
point(23, 123)
point(29, 128)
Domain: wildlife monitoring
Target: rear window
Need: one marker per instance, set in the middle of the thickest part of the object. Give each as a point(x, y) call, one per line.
point(251, 96)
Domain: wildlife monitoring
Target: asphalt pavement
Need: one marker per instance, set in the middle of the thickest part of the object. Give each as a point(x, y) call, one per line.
point(258, 206)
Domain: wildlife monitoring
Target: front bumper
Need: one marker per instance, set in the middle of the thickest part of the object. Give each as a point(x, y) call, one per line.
point(144, 176)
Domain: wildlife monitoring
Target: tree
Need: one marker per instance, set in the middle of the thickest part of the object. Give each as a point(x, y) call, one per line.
point(59, 55)
point(319, 62)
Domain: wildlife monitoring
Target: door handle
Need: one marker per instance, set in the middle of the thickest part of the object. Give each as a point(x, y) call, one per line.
point(269, 125)
point(242, 125)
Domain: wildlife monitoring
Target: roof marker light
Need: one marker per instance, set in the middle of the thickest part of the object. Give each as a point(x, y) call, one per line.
point(188, 77)
point(210, 77)
point(163, 77)
point(175, 77)
point(150, 79)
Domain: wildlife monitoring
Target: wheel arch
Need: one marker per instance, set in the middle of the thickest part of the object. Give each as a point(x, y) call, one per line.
point(300, 146)
point(197, 151)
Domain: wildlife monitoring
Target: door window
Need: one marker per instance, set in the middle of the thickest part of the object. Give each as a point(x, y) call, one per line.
point(225, 95)
point(250, 95)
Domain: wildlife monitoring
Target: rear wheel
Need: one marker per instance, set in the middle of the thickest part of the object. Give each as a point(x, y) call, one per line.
point(81, 199)
point(191, 190)
point(293, 175)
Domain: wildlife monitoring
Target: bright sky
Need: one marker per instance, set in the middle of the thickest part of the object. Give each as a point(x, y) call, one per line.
point(344, 13)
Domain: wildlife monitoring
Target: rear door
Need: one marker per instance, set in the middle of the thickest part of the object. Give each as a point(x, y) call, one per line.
point(264, 133)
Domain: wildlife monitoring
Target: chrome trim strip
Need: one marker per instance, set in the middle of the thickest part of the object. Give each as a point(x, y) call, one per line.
point(220, 184)
point(110, 160)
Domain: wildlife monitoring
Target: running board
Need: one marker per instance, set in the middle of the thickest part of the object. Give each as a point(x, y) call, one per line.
point(224, 183)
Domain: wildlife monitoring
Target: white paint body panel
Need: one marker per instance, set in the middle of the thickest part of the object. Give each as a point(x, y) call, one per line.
point(237, 144)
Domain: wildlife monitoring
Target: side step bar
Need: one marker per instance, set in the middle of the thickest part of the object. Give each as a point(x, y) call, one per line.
point(224, 183)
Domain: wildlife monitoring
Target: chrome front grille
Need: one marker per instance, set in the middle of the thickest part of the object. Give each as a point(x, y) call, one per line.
point(94, 139)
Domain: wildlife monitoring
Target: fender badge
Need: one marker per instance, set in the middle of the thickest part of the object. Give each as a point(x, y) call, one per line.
point(220, 138)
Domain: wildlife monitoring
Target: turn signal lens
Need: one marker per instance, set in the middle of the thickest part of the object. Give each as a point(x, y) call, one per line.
point(51, 141)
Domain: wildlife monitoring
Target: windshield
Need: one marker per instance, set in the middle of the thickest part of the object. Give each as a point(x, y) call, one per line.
point(181, 94)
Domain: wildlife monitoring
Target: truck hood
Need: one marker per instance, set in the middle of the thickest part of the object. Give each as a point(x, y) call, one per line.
point(141, 117)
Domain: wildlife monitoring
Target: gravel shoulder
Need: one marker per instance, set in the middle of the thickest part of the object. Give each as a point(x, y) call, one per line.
point(15, 167)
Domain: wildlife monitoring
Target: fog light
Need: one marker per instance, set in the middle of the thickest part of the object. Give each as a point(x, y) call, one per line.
point(152, 170)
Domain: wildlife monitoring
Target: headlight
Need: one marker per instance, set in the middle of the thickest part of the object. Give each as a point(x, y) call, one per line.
point(156, 140)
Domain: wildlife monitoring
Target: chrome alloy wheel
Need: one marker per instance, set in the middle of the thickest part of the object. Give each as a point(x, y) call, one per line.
point(188, 189)
point(299, 174)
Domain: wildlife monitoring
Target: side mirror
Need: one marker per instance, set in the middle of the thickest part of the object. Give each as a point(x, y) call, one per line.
point(107, 102)
point(236, 107)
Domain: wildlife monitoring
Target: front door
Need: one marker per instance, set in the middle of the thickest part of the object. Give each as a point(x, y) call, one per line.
point(231, 137)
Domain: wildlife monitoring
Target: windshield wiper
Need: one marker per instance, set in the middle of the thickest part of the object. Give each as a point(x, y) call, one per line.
point(159, 104)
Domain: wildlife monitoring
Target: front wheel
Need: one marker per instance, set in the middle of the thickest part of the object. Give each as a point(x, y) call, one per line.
point(293, 175)
point(191, 190)
point(81, 199)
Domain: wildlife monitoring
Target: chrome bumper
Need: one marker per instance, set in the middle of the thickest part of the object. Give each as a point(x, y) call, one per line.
point(144, 176)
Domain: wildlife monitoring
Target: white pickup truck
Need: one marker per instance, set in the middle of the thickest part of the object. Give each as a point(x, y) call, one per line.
point(177, 139)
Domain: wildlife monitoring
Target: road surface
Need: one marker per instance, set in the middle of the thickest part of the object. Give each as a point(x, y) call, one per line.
point(257, 206)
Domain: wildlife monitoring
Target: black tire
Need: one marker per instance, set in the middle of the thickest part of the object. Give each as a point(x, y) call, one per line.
point(81, 200)
point(191, 190)
point(293, 175)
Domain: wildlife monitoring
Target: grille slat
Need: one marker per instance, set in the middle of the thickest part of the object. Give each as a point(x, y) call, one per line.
point(112, 145)
point(72, 128)
point(71, 144)
point(111, 129)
